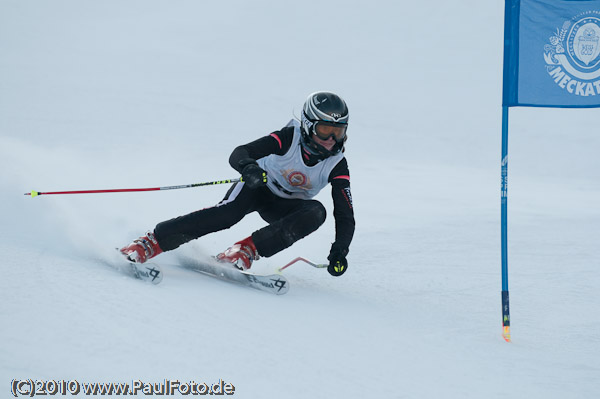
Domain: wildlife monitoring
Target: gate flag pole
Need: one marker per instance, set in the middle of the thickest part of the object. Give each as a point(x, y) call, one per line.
point(504, 226)
point(509, 94)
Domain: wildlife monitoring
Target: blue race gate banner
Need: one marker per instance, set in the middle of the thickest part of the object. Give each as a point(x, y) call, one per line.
point(551, 59)
point(552, 53)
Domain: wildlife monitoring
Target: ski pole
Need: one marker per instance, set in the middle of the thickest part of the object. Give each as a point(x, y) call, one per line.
point(316, 265)
point(126, 190)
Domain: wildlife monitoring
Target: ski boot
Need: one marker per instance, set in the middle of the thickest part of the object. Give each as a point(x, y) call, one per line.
point(241, 254)
point(142, 249)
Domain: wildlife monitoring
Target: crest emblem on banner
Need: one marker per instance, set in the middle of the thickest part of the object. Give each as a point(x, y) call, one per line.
point(573, 55)
point(582, 44)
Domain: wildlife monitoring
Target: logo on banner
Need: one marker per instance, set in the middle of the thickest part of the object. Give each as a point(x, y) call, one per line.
point(573, 55)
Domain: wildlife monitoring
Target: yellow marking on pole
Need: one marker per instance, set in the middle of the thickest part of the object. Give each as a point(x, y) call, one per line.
point(506, 333)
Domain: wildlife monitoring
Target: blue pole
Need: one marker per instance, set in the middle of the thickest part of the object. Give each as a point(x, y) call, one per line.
point(504, 225)
point(510, 90)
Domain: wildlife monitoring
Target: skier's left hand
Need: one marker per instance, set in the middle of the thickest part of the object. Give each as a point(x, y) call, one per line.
point(338, 264)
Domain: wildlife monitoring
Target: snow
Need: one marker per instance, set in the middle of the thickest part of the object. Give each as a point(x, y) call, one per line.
point(120, 94)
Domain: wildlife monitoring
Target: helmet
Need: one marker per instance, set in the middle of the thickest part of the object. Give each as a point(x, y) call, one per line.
point(324, 115)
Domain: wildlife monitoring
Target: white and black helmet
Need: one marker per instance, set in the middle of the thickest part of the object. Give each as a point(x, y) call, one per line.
point(323, 109)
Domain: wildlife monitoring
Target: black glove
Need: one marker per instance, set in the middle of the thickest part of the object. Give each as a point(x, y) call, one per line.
point(337, 260)
point(252, 174)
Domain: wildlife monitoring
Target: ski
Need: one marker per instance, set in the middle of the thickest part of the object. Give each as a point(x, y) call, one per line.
point(148, 272)
point(273, 283)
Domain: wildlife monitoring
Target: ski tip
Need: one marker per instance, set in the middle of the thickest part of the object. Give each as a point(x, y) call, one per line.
point(147, 272)
point(33, 194)
point(279, 284)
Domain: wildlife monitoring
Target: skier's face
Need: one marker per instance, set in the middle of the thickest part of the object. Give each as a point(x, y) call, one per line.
point(328, 144)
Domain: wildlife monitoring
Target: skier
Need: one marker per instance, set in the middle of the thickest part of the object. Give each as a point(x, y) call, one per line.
point(281, 173)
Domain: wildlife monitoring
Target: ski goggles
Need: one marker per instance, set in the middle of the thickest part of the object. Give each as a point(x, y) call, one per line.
point(324, 130)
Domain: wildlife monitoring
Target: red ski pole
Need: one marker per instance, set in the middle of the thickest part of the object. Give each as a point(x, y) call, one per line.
point(300, 259)
point(128, 190)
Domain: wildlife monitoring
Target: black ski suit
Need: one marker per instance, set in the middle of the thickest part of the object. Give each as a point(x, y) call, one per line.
point(290, 219)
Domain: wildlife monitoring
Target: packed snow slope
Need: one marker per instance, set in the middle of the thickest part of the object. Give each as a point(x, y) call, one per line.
point(122, 94)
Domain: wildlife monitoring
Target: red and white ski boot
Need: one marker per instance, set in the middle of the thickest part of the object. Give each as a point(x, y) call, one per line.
point(241, 254)
point(142, 249)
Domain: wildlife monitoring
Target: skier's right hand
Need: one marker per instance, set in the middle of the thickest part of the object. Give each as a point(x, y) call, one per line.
point(253, 175)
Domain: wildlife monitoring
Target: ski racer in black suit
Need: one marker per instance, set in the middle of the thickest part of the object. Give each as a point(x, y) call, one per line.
point(281, 173)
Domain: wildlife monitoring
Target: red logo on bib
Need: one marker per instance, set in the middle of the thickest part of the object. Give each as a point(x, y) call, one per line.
point(297, 179)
